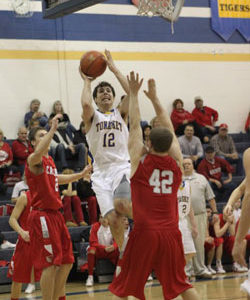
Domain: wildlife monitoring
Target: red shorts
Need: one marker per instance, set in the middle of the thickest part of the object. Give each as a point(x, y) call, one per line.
point(20, 265)
point(161, 251)
point(49, 239)
point(101, 253)
point(217, 242)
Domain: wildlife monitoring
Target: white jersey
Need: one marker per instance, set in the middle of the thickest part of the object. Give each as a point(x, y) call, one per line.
point(108, 139)
point(184, 200)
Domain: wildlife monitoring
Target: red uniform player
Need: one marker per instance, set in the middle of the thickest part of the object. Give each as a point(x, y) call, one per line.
point(20, 268)
point(155, 243)
point(51, 246)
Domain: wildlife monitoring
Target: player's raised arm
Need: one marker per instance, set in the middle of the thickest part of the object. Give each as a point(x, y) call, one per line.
point(164, 119)
point(123, 82)
point(44, 138)
point(135, 142)
point(67, 178)
point(86, 101)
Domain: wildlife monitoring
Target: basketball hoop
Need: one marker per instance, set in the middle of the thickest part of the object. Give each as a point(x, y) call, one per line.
point(168, 9)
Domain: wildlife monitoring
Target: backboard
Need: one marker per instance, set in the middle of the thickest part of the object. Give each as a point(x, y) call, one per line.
point(58, 8)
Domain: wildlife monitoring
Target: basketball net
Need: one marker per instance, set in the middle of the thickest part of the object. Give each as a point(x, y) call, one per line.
point(168, 9)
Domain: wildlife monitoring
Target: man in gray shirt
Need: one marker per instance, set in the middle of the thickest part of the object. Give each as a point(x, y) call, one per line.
point(224, 147)
point(201, 192)
point(191, 146)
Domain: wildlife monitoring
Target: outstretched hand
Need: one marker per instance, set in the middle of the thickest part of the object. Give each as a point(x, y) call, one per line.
point(55, 121)
point(151, 93)
point(85, 172)
point(134, 82)
point(110, 61)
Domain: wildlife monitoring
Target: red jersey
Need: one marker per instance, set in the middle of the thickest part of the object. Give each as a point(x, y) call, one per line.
point(5, 153)
point(178, 116)
point(21, 151)
point(214, 169)
point(23, 219)
point(247, 125)
point(154, 189)
point(205, 116)
point(43, 187)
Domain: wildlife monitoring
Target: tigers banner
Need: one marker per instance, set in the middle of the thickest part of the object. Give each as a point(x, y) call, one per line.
point(229, 15)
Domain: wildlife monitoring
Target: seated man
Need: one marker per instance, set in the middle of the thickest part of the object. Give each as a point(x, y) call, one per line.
point(63, 147)
point(224, 227)
point(21, 149)
point(206, 117)
point(213, 245)
point(225, 148)
point(191, 146)
point(101, 245)
point(212, 167)
point(35, 114)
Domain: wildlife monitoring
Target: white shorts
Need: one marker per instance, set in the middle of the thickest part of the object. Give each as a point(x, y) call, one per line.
point(104, 183)
point(187, 239)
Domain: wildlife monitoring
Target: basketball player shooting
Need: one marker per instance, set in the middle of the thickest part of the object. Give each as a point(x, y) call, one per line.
point(50, 242)
point(107, 136)
point(155, 242)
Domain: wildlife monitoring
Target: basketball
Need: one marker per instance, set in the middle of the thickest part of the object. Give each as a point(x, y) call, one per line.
point(93, 64)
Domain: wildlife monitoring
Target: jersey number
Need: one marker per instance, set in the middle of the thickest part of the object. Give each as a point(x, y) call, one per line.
point(161, 181)
point(108, 140)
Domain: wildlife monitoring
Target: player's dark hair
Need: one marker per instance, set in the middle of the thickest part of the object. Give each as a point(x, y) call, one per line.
point(102, 84)
point(161, 139)
point(33, 132)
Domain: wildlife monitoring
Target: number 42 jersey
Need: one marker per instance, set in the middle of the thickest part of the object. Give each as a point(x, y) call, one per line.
point(154, 189)
point(108, 139)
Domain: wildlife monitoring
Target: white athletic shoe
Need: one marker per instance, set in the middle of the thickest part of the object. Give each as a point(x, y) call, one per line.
point(238, 268)
point(245, 286)
point(90, 280)
point(7, 245)
point(219, 268)
point(30, 288)
point(150, 277)
point(211, 270)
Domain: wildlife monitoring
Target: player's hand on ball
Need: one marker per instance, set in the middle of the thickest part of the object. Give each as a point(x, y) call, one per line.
point(85, 77)
point(151, 93)
point(134, 82)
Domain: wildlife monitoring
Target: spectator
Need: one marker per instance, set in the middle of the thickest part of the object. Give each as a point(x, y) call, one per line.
point(64, 121)
point(19, 187)
point(80, 136)
point(21, 149)
point(181, 117)
point(35, 114)
point(200, 193)
point(70, 199)
point(6, 156)
point(191, 146)
point(237, 210)
point(63, 147)
point(212, 167)
point(225, 227)
point(101, 245)
point(247, 125)
point(155, 122)
point(86, 194)
point(205, 117)
point(213, 245)
point(146, 132)
point(225, 148)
